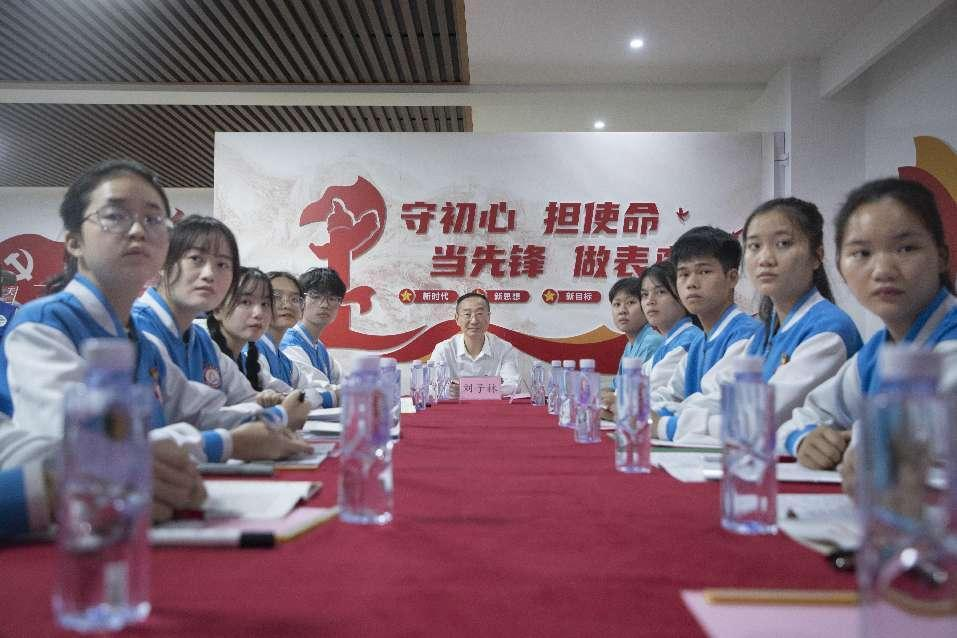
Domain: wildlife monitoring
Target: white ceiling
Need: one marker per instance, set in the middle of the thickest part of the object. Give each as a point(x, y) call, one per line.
point(520, 42)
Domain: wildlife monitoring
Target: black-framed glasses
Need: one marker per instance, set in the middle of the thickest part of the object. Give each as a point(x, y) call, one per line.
point(113, 219)
point(279, 299)
point(330, 300)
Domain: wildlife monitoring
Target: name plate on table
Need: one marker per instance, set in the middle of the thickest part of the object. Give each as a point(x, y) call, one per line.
point(480, 389)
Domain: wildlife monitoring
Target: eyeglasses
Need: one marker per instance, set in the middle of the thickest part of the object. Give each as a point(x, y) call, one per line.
point(119, 221)
point(479, 316)
point(279, 299)
point(330, 300)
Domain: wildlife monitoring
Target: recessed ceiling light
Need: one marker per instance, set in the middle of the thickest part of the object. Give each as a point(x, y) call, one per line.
point(599, 124)
point(636, 43)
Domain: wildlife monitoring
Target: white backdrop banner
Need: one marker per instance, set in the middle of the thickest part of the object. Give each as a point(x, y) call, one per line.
point(543, 223)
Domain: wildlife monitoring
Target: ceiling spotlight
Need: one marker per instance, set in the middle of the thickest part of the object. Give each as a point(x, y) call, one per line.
point(599, 124)
point(636, 43)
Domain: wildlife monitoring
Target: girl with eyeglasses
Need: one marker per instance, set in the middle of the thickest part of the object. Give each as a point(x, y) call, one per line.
point(116, 218)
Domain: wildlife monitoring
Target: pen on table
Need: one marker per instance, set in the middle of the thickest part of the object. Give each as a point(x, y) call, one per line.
point(236, 469)
point(781, 596)
point(167, 536)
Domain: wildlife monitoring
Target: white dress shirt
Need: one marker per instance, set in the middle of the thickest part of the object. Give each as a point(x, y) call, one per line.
point(498, 358)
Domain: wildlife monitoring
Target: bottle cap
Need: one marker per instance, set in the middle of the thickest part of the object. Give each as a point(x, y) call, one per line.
point(556, 363)
point(368, 363)
point(568, 363)
point(631, 363)
point(538, 364)
point(587, 364)
point(747, 365)
point(387, 362)
point(431, 364)
point(108, 354)
point(416, 364)
point(907, 361)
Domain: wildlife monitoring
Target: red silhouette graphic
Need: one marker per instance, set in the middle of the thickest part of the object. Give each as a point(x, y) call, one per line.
point(355, 216)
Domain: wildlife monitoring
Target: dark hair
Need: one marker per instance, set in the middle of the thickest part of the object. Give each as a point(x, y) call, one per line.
point(7, 278)
point(77, 198)
point(322, 281)
point(249, 280)
point(913, 196)
point(197, 231)
point(282, 274)
point(808, 219)
point(628, 285)
point(472, 295)
point(707, 241)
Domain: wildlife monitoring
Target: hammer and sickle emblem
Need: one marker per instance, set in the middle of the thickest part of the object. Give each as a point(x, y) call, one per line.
point(24, 270)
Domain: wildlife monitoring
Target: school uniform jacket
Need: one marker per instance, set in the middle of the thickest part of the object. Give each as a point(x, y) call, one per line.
point(839, 402)
point(41, 356)
point(644, 346)
point(671, 352)
point(276, 368)
point(707, 355)
point(300, 348)
point(811, 345)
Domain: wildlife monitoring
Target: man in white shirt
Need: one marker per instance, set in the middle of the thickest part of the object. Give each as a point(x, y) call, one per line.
point(475, 352)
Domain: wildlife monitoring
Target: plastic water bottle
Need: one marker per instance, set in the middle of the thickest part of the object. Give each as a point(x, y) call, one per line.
point(748, 482)
point(365, 457)
point(419, 384)
point(443, 379)
point(566, 405)
point(553, 388)
point(391, 378)
point(433, 385)
point(105, 499)
point(632, 414)
point(538, 383)
point(906, 474)
point(587, 411)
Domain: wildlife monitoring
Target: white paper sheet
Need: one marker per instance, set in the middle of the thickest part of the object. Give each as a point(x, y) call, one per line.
point(325, 414)
point(255, 499)
point(406, 406)
point(822, 522)
point(696, 467)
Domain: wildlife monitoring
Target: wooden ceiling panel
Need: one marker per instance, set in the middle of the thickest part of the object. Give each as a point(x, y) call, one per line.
point(50, 144)
point(233, 41)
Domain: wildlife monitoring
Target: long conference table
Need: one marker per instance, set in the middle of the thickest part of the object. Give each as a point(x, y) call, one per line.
point(503, 527)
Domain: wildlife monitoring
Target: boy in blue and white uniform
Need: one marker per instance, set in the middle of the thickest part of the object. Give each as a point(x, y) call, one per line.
point(707, 260)
point(323, 290)
point(804, 338)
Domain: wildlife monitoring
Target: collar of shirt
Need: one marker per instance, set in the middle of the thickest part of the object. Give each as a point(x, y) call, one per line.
point(462, 353)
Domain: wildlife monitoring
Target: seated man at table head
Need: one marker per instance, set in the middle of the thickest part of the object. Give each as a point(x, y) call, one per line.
point(707, 261)
point(323, 291)
point(474, 352)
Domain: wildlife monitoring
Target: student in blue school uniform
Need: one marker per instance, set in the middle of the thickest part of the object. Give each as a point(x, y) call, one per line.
point(323, 291)
point(804, 338)
point(893, 255)
point(201, 269)
point(238, 326)
point(116, 218)
point(662, 307)
point(706, 261)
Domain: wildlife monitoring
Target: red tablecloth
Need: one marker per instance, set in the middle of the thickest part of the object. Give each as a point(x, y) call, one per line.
point(504, 527)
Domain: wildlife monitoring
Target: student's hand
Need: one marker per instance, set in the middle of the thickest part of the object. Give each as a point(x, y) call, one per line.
point(848, 470)
point(297, 409)
point(254, 441)
point(823, 448)
point(268, 398)
point(454, 389)
point(177, 483)
point(607, 401)
point(335, 396)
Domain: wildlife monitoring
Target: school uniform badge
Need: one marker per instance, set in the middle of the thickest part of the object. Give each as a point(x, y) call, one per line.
point(211, 376)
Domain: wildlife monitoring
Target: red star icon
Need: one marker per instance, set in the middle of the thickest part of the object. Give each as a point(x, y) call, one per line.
point(406, 295)
point(549, 296)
